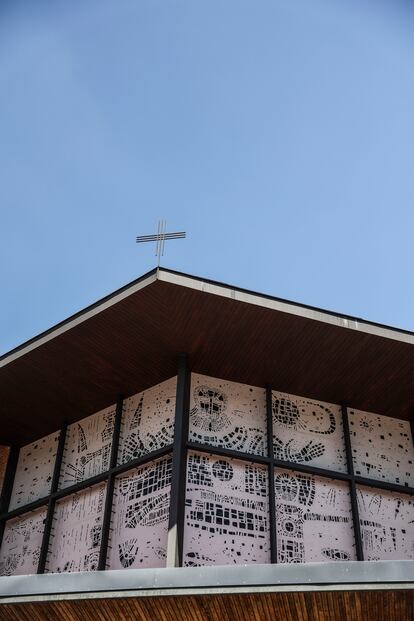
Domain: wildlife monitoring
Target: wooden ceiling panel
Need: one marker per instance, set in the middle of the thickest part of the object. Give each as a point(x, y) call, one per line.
point(392, 605)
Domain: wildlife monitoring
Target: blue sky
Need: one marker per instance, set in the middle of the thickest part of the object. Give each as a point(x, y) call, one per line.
point(278, 134)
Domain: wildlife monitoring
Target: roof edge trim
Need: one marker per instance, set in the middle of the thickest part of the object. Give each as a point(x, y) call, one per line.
point(285, 306)
point(79, 317)
point(215, 288)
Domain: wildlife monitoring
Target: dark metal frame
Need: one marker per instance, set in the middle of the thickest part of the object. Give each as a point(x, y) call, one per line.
point(51, 504)
point(179, 452)
point(179, 459)
point(352, 486)
point(110, 484)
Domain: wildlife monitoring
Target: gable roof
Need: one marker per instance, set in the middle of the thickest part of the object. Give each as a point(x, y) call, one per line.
point(130, 340)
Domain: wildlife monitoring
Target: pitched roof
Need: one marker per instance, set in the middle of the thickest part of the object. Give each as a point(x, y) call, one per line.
point(130, 340)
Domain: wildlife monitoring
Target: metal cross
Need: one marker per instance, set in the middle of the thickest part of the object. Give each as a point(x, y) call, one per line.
point(160, 238)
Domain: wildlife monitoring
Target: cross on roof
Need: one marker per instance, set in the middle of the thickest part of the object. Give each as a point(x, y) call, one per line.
point(160, 238)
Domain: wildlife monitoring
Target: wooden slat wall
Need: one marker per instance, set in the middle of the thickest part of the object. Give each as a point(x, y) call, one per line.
point(319, 606)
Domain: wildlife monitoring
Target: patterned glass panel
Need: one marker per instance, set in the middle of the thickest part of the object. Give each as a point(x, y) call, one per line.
point(307, 431)
point(21, 545)
point(387, 524)
point(382, 447)
point(34, 471)
point(139, 527)
point(76, 532)
point(87, 447)
point(228, 414)
point(148, 421)
point(226, 512)
point(313, 519)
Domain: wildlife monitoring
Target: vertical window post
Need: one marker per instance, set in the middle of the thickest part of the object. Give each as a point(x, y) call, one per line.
point(352, 485)
point(179, 465)
point(106, 522)
point(412, 431)
point(271, 474)
point(51, 504)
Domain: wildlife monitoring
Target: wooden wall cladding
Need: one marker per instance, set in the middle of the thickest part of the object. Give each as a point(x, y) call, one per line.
point(4, 455)
point(397, 605)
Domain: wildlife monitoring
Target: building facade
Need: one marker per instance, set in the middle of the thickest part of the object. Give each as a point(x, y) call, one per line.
point(183, 438)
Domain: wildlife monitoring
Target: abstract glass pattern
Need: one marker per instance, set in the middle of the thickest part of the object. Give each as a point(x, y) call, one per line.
point(76, 532)
point(387, 524)
point(226, 512)
point(34, 471)
point(148, 421)
point(308, 431)
point(382, 447)
point(313, 518)
point(228, 414)
point(21, 544)
point(139, 527)
point(87, 447)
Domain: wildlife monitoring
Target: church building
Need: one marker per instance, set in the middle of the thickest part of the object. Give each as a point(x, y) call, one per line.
point(185, 449)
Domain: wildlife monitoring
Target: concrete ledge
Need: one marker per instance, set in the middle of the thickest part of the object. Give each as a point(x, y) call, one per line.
point(383, 575)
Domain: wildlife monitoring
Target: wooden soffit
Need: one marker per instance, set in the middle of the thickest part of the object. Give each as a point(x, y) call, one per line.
point(130, 340)
point(392, 605)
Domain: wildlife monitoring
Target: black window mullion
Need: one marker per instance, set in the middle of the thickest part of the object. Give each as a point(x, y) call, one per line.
point(51, 502)
point(225, 452)
point(142, 460)
point(271, 471)
point(352, 485)
point(7, 488)
point(106, 522)
point(179, 464)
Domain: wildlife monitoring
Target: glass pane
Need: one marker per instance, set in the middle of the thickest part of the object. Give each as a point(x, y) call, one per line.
point(76, 532)
point(148, 421)
point(87, 447)
point(387, 524)
point(226, 512)
point(308, 431)
point(21, 545)
point(382, 447)
point(313, 518)
point(228, 414)
point(139, 527)
point(34, 471)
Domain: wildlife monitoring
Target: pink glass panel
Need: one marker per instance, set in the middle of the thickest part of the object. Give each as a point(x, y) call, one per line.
point(313, 518)
point(21, 544)
point(87, 447)
point(34, 471)
point(382, 447)
point(308, 431)
point(139, 527)
point(226, 513)
point(387, 524)
point(228, 414)
point(148, 421)
point(76, 532)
